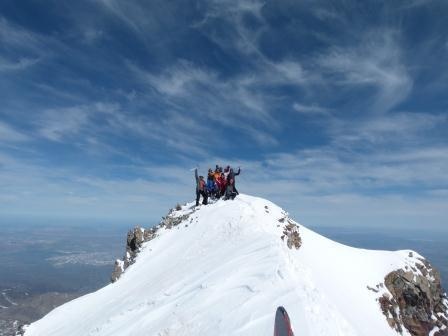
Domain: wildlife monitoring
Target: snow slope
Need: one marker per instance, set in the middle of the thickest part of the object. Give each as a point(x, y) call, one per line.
point(224, 271)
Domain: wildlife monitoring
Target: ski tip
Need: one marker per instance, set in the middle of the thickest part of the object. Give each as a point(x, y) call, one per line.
point(282, 325)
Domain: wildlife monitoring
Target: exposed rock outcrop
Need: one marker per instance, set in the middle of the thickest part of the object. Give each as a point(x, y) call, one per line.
point(416, 301)
point(21, 330)
point(171, 220)
point(290, 232)
point(135, 238)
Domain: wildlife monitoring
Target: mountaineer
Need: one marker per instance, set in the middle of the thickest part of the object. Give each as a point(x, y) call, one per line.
point(231, 191)
point(200, 188)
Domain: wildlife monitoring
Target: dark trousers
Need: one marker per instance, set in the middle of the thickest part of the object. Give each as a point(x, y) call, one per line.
point(204, 196)
point(230, 192)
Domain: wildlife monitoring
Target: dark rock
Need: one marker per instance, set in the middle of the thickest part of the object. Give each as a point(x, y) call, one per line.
point(291, 232)
point(418, 298)
point(388, 305)
point(21, 330)
point(118, 270)
point(135, 239)
point(172, 219)
point(169, 222)
point(372, 289)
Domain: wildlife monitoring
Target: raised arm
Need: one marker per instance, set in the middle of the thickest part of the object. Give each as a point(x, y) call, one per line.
point(196, 175)
point(238, 171)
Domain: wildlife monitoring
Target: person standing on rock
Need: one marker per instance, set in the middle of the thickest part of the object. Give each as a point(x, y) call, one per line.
point(200, 188)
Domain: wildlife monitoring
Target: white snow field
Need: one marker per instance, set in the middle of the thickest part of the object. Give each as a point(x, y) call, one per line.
point(224, 271)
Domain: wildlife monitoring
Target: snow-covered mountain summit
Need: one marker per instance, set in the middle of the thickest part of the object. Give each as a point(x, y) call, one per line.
point(222, 269)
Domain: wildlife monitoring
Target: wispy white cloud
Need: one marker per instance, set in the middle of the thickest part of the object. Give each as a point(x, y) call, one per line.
point(92, 35)
point(324, 13)
point(376, 62)
point(178, 80)
point(28, 189)
point(15, 36)
point(147, 20)
point(10, 134)
point(311, 109)
point(415, 3)
point(91, 126)
point(57, 124)
point(245, 40)
point(24, 47)
point(398, 129)
point(130, 13)
point(232, 102)
point(20, 64)
point(182, 133)
point(238, 36)
point(65, 95)
point(253, 7)
point(332, 171)
point(290, 72)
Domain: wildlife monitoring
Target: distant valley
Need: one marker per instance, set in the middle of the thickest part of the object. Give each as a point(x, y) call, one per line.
point(44, 266)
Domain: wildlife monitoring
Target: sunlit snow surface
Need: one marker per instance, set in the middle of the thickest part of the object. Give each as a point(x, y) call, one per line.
point(224, 271)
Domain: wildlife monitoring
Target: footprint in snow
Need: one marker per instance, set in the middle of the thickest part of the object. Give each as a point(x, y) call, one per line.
point(280, 274)
point(249, 288)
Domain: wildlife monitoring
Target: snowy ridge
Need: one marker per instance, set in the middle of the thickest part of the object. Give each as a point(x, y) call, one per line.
point(224, 269)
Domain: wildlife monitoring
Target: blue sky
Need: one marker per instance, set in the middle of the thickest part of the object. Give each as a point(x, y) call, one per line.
point(335, 110)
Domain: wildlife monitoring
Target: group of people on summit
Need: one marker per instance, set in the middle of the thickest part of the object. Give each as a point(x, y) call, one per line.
point(219, 183)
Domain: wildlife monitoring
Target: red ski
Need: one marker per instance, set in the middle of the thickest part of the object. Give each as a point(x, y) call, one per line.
point(282, 325)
